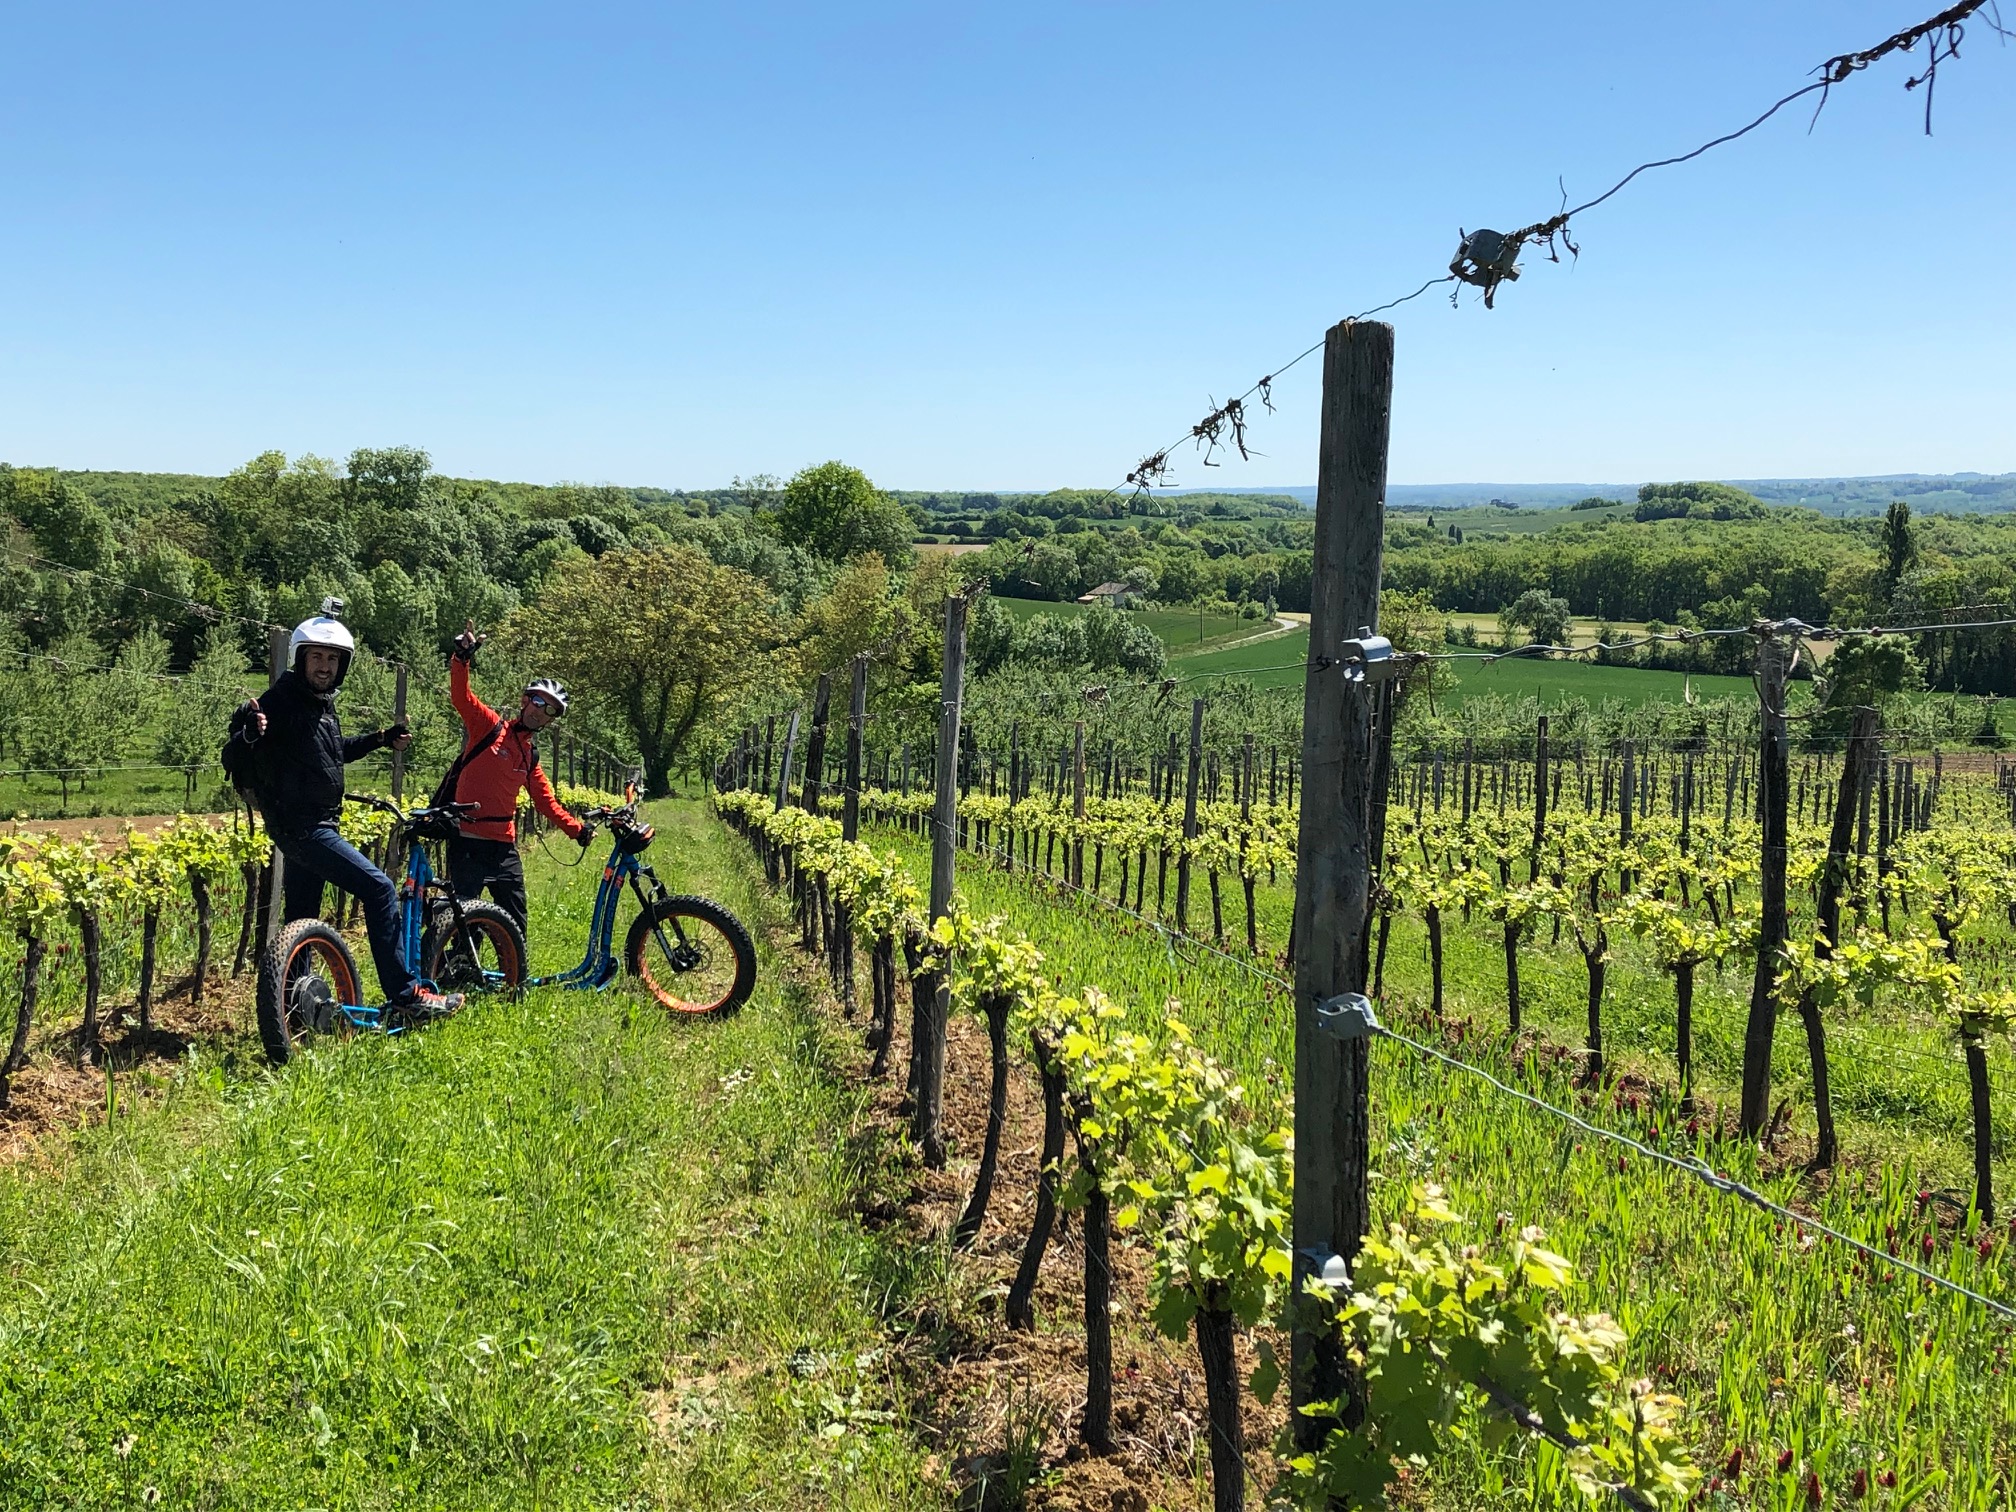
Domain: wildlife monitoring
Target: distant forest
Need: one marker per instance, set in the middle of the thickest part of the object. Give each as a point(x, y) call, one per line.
point(416, 552)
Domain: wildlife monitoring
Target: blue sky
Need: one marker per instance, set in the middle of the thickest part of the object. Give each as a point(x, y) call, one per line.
point(989, 247)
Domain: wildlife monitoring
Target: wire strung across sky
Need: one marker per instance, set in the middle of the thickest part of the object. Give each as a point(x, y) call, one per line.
point(1487, 259)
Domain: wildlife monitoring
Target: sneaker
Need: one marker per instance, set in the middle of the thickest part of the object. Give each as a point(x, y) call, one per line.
point(422, 1004)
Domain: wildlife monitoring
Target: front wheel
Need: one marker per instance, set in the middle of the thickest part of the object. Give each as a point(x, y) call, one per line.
point(692, 955)
point(305, 977)
point(484, 953)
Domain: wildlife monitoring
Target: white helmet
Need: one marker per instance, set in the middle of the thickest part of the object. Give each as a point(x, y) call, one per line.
point(323, 630)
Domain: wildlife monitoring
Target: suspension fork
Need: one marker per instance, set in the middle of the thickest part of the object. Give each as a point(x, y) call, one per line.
point(645, 901)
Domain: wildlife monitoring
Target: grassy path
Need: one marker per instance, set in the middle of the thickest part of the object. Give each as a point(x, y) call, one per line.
point(559, 1253)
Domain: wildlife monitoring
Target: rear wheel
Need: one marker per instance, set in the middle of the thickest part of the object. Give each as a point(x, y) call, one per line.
point(692, 955)
point(305, 977)
point(484, 953)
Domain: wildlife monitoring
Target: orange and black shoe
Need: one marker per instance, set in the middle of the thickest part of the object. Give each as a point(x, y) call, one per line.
point(423, 1005)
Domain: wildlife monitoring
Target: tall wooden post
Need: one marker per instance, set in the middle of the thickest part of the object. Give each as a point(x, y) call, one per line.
point(399, 717)
point(857, 723)
point(1539, 796)
point(1077, 877)
point(815, 746)
point(1008, 835)
point(1772, 792)
point(1334, 880)
point(928, 1036)
point(769, 750)
point(1189, 816)
point(1627, 812)
point(784, 766)
point(273, 896)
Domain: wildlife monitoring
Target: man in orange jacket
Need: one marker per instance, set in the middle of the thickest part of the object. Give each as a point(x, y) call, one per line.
point(500, 760)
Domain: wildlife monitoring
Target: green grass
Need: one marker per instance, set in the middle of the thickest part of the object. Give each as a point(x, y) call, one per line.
point(1278, 663)
point(1777, 1345)
point(113, 792)
point(1178, 628)
point(557, 1253)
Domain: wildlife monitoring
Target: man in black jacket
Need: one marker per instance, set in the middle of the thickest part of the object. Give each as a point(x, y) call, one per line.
point(292, 752)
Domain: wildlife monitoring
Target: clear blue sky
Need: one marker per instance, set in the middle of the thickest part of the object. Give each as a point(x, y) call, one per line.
point(988, 247)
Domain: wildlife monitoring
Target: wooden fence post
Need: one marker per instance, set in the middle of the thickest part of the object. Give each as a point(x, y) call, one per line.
point(1755, 1111)
point(1008, 835)
point(1539, 796)
point(784, 766)
point(1627, 811)
point(1189, 816)
point(815, 745)
point(930, 1012)
point(399, 717)
point(1077, 868)
point(273, 897)
point(857, 723)
point(1334, 880)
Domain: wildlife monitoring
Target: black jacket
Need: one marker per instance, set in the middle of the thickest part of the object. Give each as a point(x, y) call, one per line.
point(296, 767)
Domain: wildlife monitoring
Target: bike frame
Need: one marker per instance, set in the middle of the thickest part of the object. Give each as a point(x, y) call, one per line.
point(599, 967)
point(415, 887)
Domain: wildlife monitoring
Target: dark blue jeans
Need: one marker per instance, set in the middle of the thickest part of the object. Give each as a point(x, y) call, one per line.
point(321, 855)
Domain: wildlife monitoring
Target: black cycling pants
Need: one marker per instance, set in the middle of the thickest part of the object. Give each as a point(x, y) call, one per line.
point(474, 865)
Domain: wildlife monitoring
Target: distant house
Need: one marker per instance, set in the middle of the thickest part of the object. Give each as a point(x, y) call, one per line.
point(1112, 595)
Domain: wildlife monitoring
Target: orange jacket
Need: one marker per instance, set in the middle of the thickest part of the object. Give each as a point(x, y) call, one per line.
point(497, 774)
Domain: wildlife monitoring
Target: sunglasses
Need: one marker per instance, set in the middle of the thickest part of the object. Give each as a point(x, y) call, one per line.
point(539, 703)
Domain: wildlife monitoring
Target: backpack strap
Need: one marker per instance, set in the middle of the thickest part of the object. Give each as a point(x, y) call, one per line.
point(445, 793)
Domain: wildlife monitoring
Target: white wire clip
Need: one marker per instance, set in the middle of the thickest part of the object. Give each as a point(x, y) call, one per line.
point(1348, 1016)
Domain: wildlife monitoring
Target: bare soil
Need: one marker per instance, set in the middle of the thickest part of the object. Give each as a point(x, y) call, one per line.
point(981, 1388)
point(59, 1091)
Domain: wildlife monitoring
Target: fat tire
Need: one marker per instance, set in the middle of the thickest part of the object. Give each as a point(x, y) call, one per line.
point(274, 966)
point(714, 917)
point(485, 918)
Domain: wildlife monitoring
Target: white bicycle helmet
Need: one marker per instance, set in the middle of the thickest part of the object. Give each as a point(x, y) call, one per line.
point(553, 692)
point(324, 630)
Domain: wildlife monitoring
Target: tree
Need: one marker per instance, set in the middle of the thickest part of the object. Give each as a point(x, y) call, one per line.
point(835, 512)
point(853, 615)
point(1544, 618)
point(67, 526)
point(1864, 669)
point(1697, 501)
point(660, 641)
point(200, 715)
point(1900, 544)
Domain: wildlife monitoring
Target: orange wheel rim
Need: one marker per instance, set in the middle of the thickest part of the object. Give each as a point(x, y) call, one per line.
point(317, 960)
point(706, 986)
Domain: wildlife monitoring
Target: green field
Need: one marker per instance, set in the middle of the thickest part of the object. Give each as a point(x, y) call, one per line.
point(1279, 663)
point(1180, 630)
point(556, 1253)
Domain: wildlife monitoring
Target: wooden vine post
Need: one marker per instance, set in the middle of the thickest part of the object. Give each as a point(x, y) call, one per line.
point(272, 897)
point(1856, 770)
point(1334, 878)
point(815, 745)
point(850, 823)
point(931, 1011)
point(1189, 816)
point(399, 717)
point(1772, 792)
point(784, 766)
point(1539, 797)
point(1076, 865)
